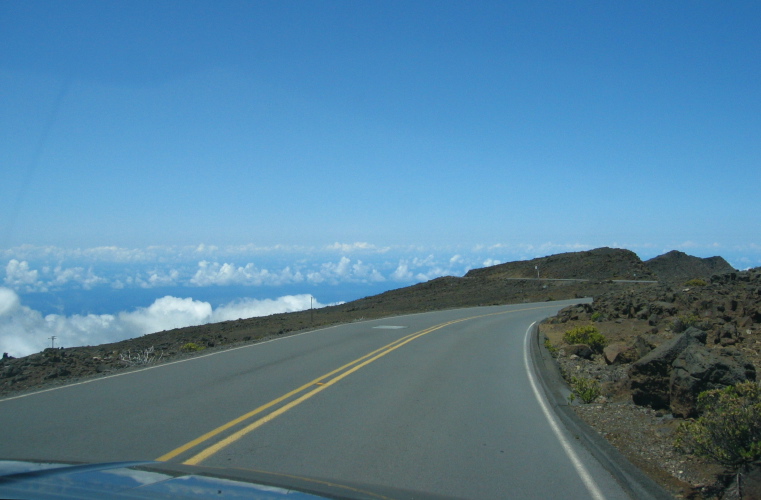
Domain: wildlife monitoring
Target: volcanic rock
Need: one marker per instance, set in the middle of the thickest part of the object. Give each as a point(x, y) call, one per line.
point(650, 376)
point(619, 352)
point(699, 369)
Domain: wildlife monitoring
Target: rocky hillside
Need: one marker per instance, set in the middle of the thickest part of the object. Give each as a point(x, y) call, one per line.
point(678, 267)
point(666, 343)
point(599, 264)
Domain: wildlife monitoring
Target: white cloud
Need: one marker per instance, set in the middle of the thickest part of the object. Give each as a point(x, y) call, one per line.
point(9, 302)
point(249, 308)
point(19, 274)
point(214, 273)
point(366, 272)
point(87, 279)
point(491, 262)
point(159, 278)
point(344, 271)
point(166, 313)
point(402, 272)
point(24, 331)
point(357, 246)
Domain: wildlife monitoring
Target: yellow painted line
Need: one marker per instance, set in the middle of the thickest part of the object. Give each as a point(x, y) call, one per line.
point(242, 418)
point(321, 385)
point(211, 450)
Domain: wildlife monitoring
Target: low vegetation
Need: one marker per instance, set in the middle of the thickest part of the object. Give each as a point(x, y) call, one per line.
point(684, 321)
point(729, 427)
point(140, 357)
point(192, 347)
point(696, 282)
point(585, 389)
point(550, 348)
point(588, 335)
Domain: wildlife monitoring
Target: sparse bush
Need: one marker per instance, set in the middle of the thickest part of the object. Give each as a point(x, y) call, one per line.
point(586, 335)
point(597, 316)
point(586, 389)
point(683, 322)
point(695, 282)
point(551, 348)
point(192, 347)
point(139, 358)
point(729, 428)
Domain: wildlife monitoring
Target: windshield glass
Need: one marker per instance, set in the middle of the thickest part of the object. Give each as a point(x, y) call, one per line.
point(216, 165)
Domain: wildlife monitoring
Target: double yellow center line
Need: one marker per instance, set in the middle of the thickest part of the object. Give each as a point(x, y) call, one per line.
point(317, 385)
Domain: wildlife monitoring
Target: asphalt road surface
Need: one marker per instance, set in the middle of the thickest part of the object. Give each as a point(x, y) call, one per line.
point(441, 402)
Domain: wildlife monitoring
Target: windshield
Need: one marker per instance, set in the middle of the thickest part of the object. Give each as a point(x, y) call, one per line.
point(177, 165)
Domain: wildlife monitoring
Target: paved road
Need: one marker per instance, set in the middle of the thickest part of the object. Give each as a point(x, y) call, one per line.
point(438, 402)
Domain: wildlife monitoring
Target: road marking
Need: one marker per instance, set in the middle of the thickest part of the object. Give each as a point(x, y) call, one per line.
point(321, 384)
point(586, 478)
point(211, 450)
point(260, 409)
point(162, 365)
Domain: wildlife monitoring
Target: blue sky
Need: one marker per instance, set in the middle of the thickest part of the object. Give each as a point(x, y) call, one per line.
point(411, 139)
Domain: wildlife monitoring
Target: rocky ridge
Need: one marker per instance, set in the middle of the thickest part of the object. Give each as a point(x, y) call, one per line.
point(599, 264)
point(678, 267)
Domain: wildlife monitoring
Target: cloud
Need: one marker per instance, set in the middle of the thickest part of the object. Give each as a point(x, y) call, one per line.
point(357, 246)
point(25, 331)
point(87, 279)
point(48, 268)
point(344, 271)
point(160, 278)
point(427, 268)
point(19, 274)
point(9, 302)
point(249, 308)
point(402, 272)
point(166, 313)
point(214, 273)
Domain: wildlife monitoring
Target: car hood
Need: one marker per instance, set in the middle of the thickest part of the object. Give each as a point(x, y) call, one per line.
point(141, 480)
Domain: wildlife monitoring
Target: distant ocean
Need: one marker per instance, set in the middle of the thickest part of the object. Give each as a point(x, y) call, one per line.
point(111, 301)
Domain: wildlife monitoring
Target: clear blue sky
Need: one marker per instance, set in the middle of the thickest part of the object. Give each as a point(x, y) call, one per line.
point(396, 123)
point(179, 158)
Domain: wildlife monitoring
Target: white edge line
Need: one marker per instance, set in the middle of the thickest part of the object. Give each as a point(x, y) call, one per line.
point(130, 372)
point(586, 478)
point(161, 365)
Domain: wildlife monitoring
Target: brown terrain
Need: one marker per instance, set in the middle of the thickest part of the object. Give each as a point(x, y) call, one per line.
point(636, 413)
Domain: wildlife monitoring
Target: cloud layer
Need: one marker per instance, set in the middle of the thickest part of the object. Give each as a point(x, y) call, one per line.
point(24, 331)
point(39, 269)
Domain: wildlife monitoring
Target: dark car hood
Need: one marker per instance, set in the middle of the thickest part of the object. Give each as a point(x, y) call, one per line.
point(141, 480)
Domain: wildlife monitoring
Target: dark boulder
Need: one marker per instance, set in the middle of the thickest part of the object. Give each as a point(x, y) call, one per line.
point(618, 353)
point(580, 350)
point(650, 377)
point(642, 346)
point(699, 369)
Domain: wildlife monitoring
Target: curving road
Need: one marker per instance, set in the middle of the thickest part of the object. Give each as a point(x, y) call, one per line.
point(443, 402)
